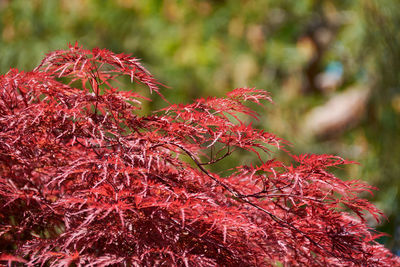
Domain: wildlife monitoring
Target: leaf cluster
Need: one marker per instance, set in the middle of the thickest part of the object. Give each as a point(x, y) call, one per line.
point(85, 180)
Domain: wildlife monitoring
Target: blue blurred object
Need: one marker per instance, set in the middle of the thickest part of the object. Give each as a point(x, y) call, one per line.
point(334, 68)
point(332, 76)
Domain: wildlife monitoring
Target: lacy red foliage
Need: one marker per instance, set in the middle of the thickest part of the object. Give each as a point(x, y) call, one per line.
point(84, 180)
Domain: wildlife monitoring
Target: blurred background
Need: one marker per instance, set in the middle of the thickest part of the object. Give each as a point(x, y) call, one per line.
point(332, 67)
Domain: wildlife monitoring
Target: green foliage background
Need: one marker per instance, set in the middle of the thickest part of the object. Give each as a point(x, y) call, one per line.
point(201, 48)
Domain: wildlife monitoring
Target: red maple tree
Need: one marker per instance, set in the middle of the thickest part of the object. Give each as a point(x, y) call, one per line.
point(85, 180)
